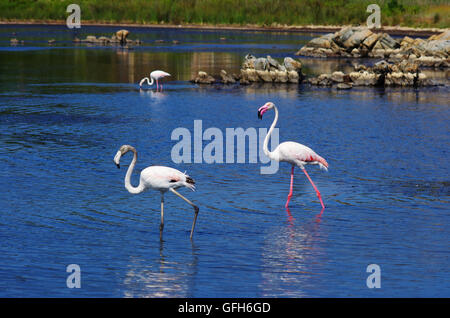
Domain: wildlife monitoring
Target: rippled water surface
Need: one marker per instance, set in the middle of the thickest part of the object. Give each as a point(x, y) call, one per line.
point(65, 110)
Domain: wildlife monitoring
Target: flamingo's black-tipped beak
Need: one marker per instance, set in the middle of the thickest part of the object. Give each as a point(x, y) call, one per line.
point(118, 165)
point(259, 114)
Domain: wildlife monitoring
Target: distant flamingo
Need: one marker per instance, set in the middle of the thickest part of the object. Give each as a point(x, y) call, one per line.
point(155, 75)
point(157, 178)
point(294, 153)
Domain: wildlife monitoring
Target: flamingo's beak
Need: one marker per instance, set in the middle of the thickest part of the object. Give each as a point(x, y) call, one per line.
point(117, 159)
point(261, 111)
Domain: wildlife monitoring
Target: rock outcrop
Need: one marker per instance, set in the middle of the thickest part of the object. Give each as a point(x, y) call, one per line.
point(269, 70)
point(119, 38)
point(362, 42)
point(258, 70)
point(382, 74)
point(203, 78)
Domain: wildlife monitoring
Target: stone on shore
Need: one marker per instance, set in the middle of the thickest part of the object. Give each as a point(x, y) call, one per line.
point(359, 42)
point(226, 79)
point(269, 70)
point(203, 78)
point(404, 74)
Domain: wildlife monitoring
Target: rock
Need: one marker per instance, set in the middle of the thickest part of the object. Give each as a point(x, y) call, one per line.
point(324, 80)
point(175, 42)
point(405, 74)
point(104, 39)
point(265, 76)
point(282, 76)
point(357, 38)
point(203, 78)
point(343, 35)
point(337, 77)
point(292, 65)
point(381, 67)
point(122, 35)
point(249, 75)
point(408, 67)
point(293, 77)
point(261, 64)
point(437, 48)
point(407, 42)
point(359, 42)
point(388, 42)
point(114, 39)
point(355, 53)
point(370, 41)
point(91, 39)
point(441, 36)
point(322, 42)
point(51, 41)
point(344, 86)
point(273, 63)
point(226, 79)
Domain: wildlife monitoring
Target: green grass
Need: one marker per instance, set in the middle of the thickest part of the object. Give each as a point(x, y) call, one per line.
point(414, 13)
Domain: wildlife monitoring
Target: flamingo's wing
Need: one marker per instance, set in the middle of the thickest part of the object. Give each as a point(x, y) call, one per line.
point(159, 74)
point(160, 177)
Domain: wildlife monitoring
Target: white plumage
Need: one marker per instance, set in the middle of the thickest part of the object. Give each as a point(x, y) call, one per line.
point(154, 76)
point(292, 152)
point(158, 178)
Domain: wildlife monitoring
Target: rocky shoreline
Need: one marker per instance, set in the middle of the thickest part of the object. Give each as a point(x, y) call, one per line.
point(381, 74)
point(268, 70)
point(357, 42)
point(258, 70)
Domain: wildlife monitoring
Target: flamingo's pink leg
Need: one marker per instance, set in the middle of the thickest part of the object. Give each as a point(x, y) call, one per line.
point(291, 188)
point(157, 86)
point(314, 186)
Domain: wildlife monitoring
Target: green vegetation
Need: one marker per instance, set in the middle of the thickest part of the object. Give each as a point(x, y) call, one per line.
point(415, 13)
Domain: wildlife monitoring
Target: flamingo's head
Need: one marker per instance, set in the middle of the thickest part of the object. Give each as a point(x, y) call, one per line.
point(264, 108)
point(122, 150)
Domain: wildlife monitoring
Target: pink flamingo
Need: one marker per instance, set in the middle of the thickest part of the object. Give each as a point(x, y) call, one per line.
point(294, 153)
point(157, 178)
point(155, 75)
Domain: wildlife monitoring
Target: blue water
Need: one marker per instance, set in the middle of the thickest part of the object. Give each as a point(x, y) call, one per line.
point(64, 112)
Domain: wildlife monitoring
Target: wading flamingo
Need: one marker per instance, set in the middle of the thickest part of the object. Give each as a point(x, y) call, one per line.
point(292, 152)
point(155, 76)
point(157, 178)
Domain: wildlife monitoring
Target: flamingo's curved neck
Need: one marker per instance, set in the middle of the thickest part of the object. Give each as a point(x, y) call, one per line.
point(269, 154)
point(146, 79)
point(128, 185)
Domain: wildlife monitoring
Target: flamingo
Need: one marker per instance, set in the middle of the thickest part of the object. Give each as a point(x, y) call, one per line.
point(292, 152)
point(157, 178)
point(155, 75)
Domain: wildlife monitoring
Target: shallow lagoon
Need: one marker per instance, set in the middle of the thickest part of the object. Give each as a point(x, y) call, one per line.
point(65, 109)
